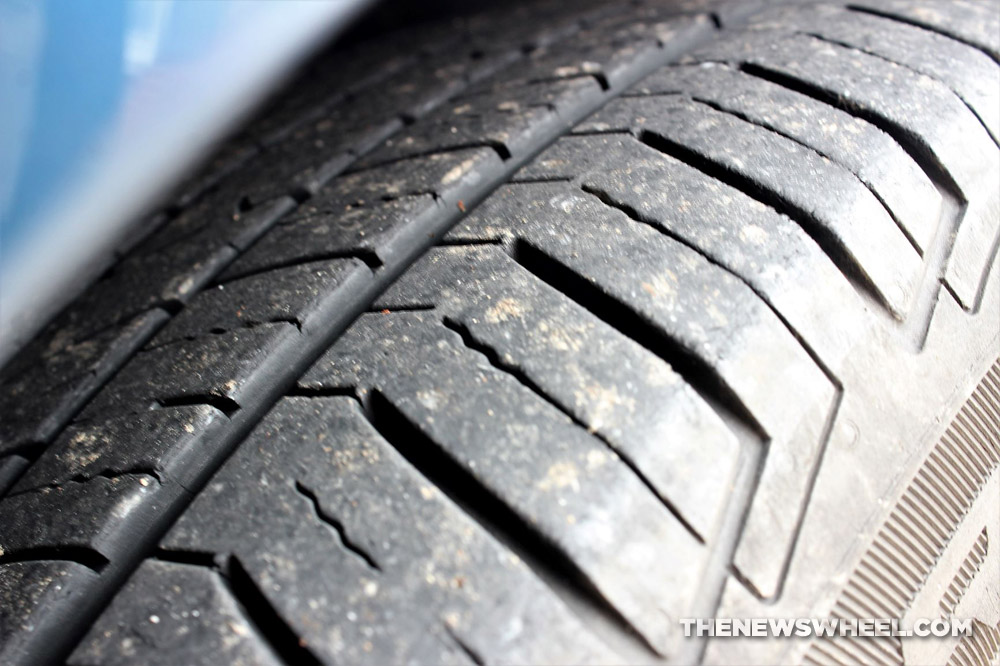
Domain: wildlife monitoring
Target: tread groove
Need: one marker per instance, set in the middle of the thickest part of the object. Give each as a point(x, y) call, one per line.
point(702, 378)
point(846, 45)
point(224, 404)
point(466, 649)
point(368, 257)
point(82, 555)
point(861, 9)
point(497, 362)
point(106, 473)
point(912, 144)
point(875, 193)
point(803, 218)
point(263, 617)
point(549, 563)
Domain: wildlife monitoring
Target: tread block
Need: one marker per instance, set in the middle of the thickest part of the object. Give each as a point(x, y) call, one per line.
point(975, 23)
point(768, 251)
point(969, 72)
point(332, 225)
point(282, 295)
point(66, 372)
point(574, 155)
point(214, 369)
point(648, 414)
point(318, 477)
point(491, 117)
point(713, 317)
point(558, 478)
point(170, 443)
point(376, 211)
point(101, 509)
point(29, 590)
point(222, 216)
point(832, 204)
point(870, 154)
point(185, 614)
point(923, 111)
point(620, 42)
point(974, 250)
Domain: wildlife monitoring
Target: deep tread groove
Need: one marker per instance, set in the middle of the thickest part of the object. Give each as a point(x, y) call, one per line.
point(189, 557)
point(834, 380)
point(337, 526)
point(494, 359)
point(698, 374)
point(86, 557)
point(874, 192)
point(226, 405)
point(923, 26)
point(803, 218)
point(475, 500)
point(911, 144)
point(264, 618)
point(872, 54)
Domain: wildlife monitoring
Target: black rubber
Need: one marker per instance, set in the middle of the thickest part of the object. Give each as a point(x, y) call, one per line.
point(524, 336)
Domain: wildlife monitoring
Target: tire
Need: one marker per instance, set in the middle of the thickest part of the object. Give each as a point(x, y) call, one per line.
point(529, 334)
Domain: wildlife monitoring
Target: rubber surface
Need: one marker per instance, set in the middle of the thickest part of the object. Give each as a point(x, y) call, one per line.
point(528, 335)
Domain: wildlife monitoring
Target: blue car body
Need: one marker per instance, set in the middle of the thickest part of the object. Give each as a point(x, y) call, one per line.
point(106, 103)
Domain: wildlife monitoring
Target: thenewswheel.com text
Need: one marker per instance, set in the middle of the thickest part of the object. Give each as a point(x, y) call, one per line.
point(804, 627)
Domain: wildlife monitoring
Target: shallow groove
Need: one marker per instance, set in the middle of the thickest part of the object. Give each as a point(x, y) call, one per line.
point(774, 130)
point(553, 566)
point(903, 65)
point(299, 391)
point(338, 527)
point(805, 219)
point(106, 473)
point(499, 147)
point(218, 330)
point(82, 555)
point(263, 617)
point(924, 26)
point(369, 257)
point(470, 341)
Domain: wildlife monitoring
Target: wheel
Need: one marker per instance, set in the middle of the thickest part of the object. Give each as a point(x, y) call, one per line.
point(524, 336)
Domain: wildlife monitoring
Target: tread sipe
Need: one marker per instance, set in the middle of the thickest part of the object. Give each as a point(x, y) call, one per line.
point(530, 333)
